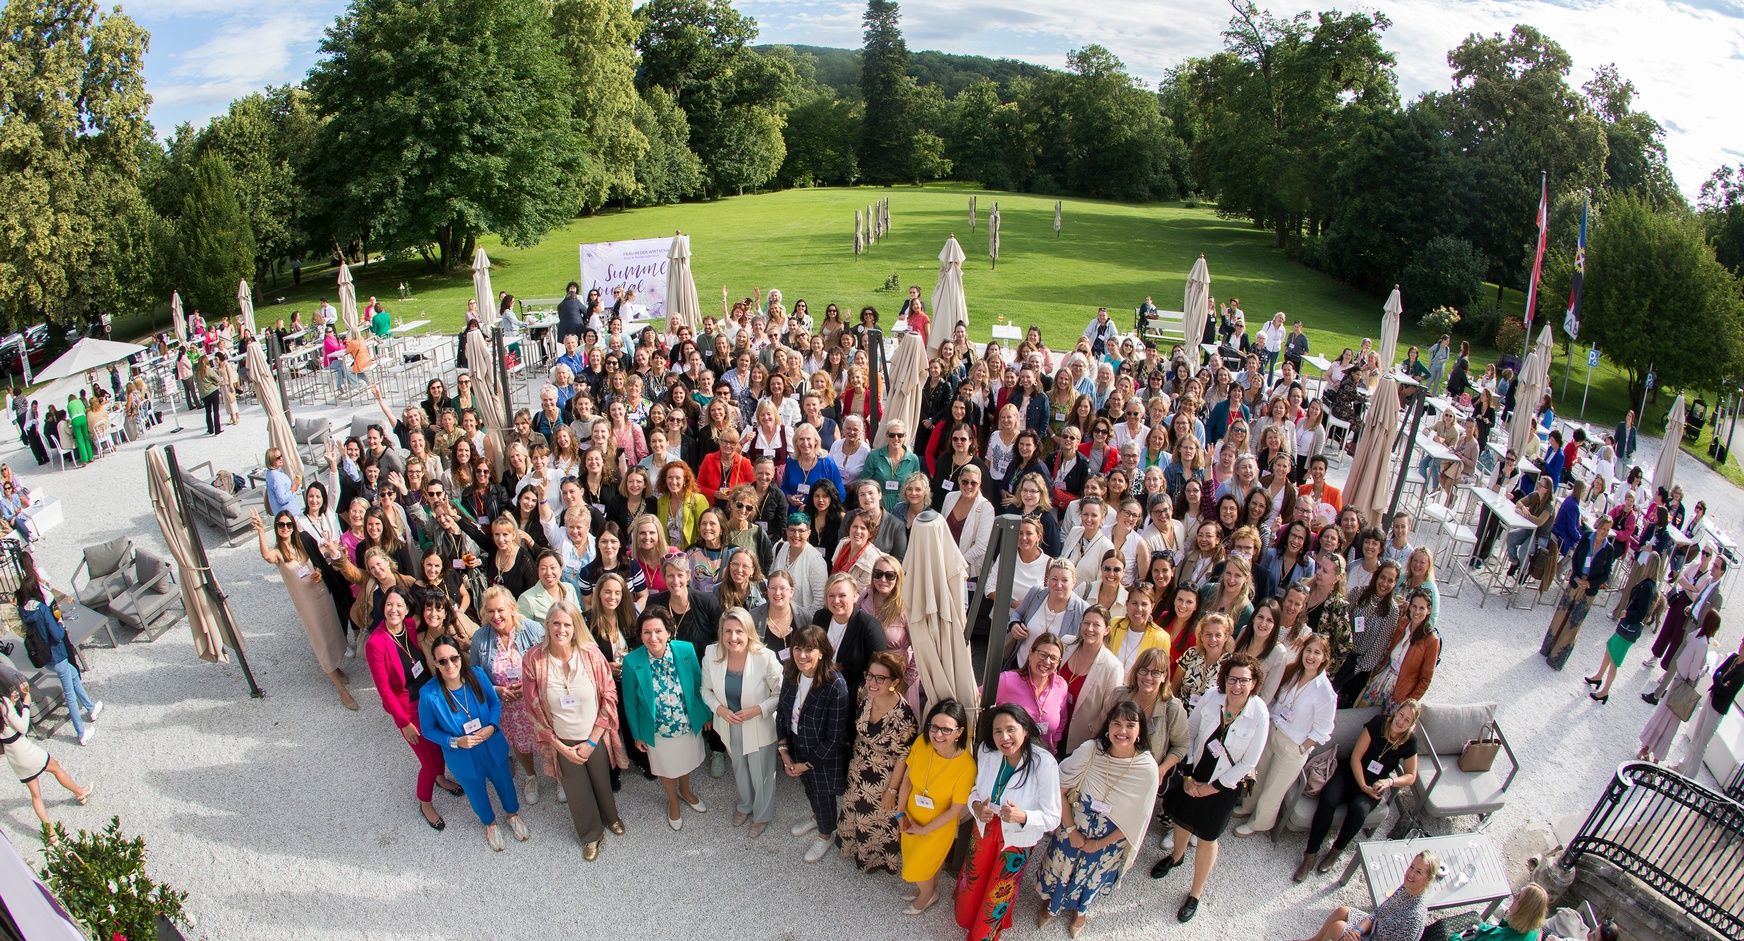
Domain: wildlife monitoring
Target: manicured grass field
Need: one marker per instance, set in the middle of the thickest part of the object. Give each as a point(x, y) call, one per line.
point(801, 241)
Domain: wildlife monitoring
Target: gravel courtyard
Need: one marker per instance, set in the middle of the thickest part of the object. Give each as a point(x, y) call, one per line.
point(289, 816)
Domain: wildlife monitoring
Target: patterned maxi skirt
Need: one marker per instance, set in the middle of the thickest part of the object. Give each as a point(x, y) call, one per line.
point(987, 886)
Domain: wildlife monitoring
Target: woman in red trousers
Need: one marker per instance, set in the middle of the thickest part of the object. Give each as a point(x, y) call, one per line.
point(397, 664)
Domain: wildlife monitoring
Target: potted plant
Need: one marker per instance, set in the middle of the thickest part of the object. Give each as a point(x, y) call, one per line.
point(100, 878)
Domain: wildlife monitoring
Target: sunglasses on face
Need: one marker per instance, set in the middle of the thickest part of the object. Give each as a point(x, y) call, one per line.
point(293, 526)
point(884, 576)
point(745, 506)
point(447, 661)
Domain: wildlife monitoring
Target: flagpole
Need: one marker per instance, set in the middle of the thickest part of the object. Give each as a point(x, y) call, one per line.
point(1537, 259)
point(1571, 320)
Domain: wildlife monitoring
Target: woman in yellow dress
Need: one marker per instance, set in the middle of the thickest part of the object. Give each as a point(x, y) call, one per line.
point(932, 787)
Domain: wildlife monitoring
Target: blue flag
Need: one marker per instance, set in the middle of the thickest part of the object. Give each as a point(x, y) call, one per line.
point(1571, 321)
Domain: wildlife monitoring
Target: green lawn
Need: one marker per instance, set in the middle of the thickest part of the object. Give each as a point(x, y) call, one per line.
point(801, 241)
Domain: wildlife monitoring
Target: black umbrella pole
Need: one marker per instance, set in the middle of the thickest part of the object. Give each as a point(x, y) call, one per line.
point(1405, 456)
point(502, 367)
point(213, 592)
point(1003, 551)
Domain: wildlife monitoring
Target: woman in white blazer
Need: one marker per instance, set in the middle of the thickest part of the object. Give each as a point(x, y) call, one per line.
point(1015, 802)
point(741, 684)
point(1302, 712)
point(1226, 734)
point(975, 517)
point(1087, 655)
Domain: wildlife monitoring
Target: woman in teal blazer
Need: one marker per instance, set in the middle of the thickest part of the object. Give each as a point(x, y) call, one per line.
point(663, 701)
point(460, 713)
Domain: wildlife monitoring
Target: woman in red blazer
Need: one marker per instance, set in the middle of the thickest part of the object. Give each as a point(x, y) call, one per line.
point(713, 477)
point(397, 664)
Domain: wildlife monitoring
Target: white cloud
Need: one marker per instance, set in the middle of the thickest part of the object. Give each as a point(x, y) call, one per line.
point(1686, 57)
point(243, 52)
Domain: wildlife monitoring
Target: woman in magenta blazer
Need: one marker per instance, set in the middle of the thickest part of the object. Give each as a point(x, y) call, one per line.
point(396, 662)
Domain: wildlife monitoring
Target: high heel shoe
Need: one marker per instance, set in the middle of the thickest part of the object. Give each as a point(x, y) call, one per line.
point(1590, 682)
point(1601, 700)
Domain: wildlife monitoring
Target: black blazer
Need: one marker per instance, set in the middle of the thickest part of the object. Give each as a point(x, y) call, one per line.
point(864, 637)
point(699, 627)
point(823, 735)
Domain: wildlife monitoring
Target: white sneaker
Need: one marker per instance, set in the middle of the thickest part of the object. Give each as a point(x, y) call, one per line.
point(818, 849)
point(804, 826)
point(351, 646)
point(532, 795)
point(562, 795)
point(96, 707)
point(85, 736)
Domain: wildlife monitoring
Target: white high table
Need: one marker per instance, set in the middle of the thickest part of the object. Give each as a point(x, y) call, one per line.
point(1512, 521)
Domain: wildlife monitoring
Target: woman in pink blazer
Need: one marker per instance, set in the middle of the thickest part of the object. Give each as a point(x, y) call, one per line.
point(396, 662)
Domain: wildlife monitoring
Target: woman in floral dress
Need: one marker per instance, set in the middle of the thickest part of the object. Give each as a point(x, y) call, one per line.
point(498, 650)
point(884, 731)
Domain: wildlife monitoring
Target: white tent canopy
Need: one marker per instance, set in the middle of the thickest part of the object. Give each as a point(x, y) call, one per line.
point(88, 354)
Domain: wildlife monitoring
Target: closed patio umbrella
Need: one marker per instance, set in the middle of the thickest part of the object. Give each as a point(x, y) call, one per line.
point(482, 292)
point(245, 303)
point(1534, 378)
point(1371, 471)
point(1056, 218)
point(278, 423)
point(993, 235)
point(347, 300)
point(934, 590)
point(203, 616)
point(486, 389)
point(907, 372)
point(1195, 306)
point(177, 317)
point(1390, 329)
point(1666, 470)
point(950, 307)
point(859, 237)
point(682, 306)
point(971, 214)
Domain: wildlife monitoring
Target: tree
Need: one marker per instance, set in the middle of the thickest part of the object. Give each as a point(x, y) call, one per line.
point(1722, 204)
point(821, 136)
point(1273, 110)
point(445, 119)
point(1655, 297)
point(1116, 143)
point(667, 171)
point(1634, 141)
point(598, 40)
point(265, 139)
point(887, 129)
point(214, 247)
point(987, 140)
point(733, 97)
point(72, 124)
point(1445, 272)
point(1513, 113)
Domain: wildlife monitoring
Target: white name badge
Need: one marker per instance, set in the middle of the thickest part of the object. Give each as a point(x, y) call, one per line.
point(460, 563)
point(890, 485)
point(471, 726)
point(1218, 750)
point(417, 669)
point(923, 802)
point(1059, 416)
point(512, 674)
point(1043, 726)
point(569, 702)
point(1193, 700)
point(1100, 807)
point(1374, 767)
point(1360, 624)
point(304, 571)
point(948, 485)
point(804, 489)
point(784, 654)
point(1284, 712)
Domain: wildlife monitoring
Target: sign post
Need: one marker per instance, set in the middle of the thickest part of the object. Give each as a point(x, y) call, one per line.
point(1592, 360)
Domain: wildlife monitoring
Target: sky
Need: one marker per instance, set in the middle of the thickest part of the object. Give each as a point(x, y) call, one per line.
point(1682, 55)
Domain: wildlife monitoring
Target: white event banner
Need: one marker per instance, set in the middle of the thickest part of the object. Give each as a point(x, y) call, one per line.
point(634, 263)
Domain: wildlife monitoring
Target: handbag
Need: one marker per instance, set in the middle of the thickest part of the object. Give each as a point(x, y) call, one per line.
point(1683, 699)
point(1318, 770)
point(1480, 753)
point(1629, 632)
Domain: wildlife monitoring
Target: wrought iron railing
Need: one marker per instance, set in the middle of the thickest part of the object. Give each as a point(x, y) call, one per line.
point(1735, 787)
point(1677, 837)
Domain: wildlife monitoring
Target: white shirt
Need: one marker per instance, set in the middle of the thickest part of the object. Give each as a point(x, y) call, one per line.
point(837, 631)
point(1305, 712)
point(799, 698)
point(1122, 434)
point(850, 464)
point(1273, 334)
point(1035, 791)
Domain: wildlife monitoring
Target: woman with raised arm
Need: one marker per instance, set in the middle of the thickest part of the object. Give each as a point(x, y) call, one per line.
point(290, 553)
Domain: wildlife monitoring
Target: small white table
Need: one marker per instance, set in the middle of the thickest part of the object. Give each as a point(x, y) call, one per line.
point(1476, 872)
point(1512, 521)
point(1434, 448)
point(410, 325)
point(1007, 331)
point(1318, 362)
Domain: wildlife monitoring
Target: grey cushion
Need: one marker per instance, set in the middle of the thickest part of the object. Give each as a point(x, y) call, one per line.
point(1347, 725)
point(147, 567)
point(141, 610)
point(304, 430)
point(1462, 792)
point(360, 424)
point(98, 591)
point(1450, 727)
point(105, 558)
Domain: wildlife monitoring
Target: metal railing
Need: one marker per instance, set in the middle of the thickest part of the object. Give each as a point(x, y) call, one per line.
point(1677, 837)
point(1735, 787)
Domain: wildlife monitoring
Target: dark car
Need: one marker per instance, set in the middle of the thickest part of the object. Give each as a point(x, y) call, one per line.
point(34, 339)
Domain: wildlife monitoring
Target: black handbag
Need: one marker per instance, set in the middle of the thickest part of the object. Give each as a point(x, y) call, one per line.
point(1629, 632)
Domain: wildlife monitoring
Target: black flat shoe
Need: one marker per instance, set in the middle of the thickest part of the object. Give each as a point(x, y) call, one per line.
point(1187, 910)
point(456, 790)
point(1163, 866)
point(1650, 699)
point(1601, 700)
point(438, 824)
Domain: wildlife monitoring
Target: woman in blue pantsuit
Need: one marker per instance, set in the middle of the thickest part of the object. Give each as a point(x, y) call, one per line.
point(461, 713)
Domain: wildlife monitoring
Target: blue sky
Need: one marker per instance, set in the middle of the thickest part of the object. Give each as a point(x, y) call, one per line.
point(1685, 56)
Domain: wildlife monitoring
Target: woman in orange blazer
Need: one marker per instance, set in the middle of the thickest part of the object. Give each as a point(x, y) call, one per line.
point(1410, 660)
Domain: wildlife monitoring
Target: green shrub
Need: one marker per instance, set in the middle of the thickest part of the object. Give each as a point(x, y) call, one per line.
point(100, 879)
point(1440, 321)
point(1444, 272)
point(1511, 335)
point(1481, 321)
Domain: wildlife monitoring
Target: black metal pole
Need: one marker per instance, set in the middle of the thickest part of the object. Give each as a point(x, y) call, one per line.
point(1002, 551)
point(213, 592)
point(502, 368)
point(1419, 395)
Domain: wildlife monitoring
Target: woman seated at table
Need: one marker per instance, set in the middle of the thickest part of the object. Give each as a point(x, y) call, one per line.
point(1401, 917)
point(1383, 759)
point(1526, 916)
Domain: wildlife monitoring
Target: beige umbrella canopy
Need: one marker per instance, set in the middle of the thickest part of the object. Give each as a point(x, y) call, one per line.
point(682, 306)
point(859, 237)
point(278, 424)
point(486, 390)
point(1371, 472)
point(1056, 218)
point(1666, 470)
point(971, 213)
point(1390, 329)
point(950, 307)
point(934, 590)
point(1195, 307)
point(907, 372)
point(482, 292)
point(993, 235)
point(347, 300)
point(245, 303)
point(203, 618)
point(1534, 378)
point(177, 317)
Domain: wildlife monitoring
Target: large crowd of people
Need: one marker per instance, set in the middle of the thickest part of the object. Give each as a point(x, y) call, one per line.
point(689, 557)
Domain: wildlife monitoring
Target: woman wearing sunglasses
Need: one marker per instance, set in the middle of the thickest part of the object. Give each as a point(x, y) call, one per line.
point(291, 552)
point(460, 712)
point(397, 665)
